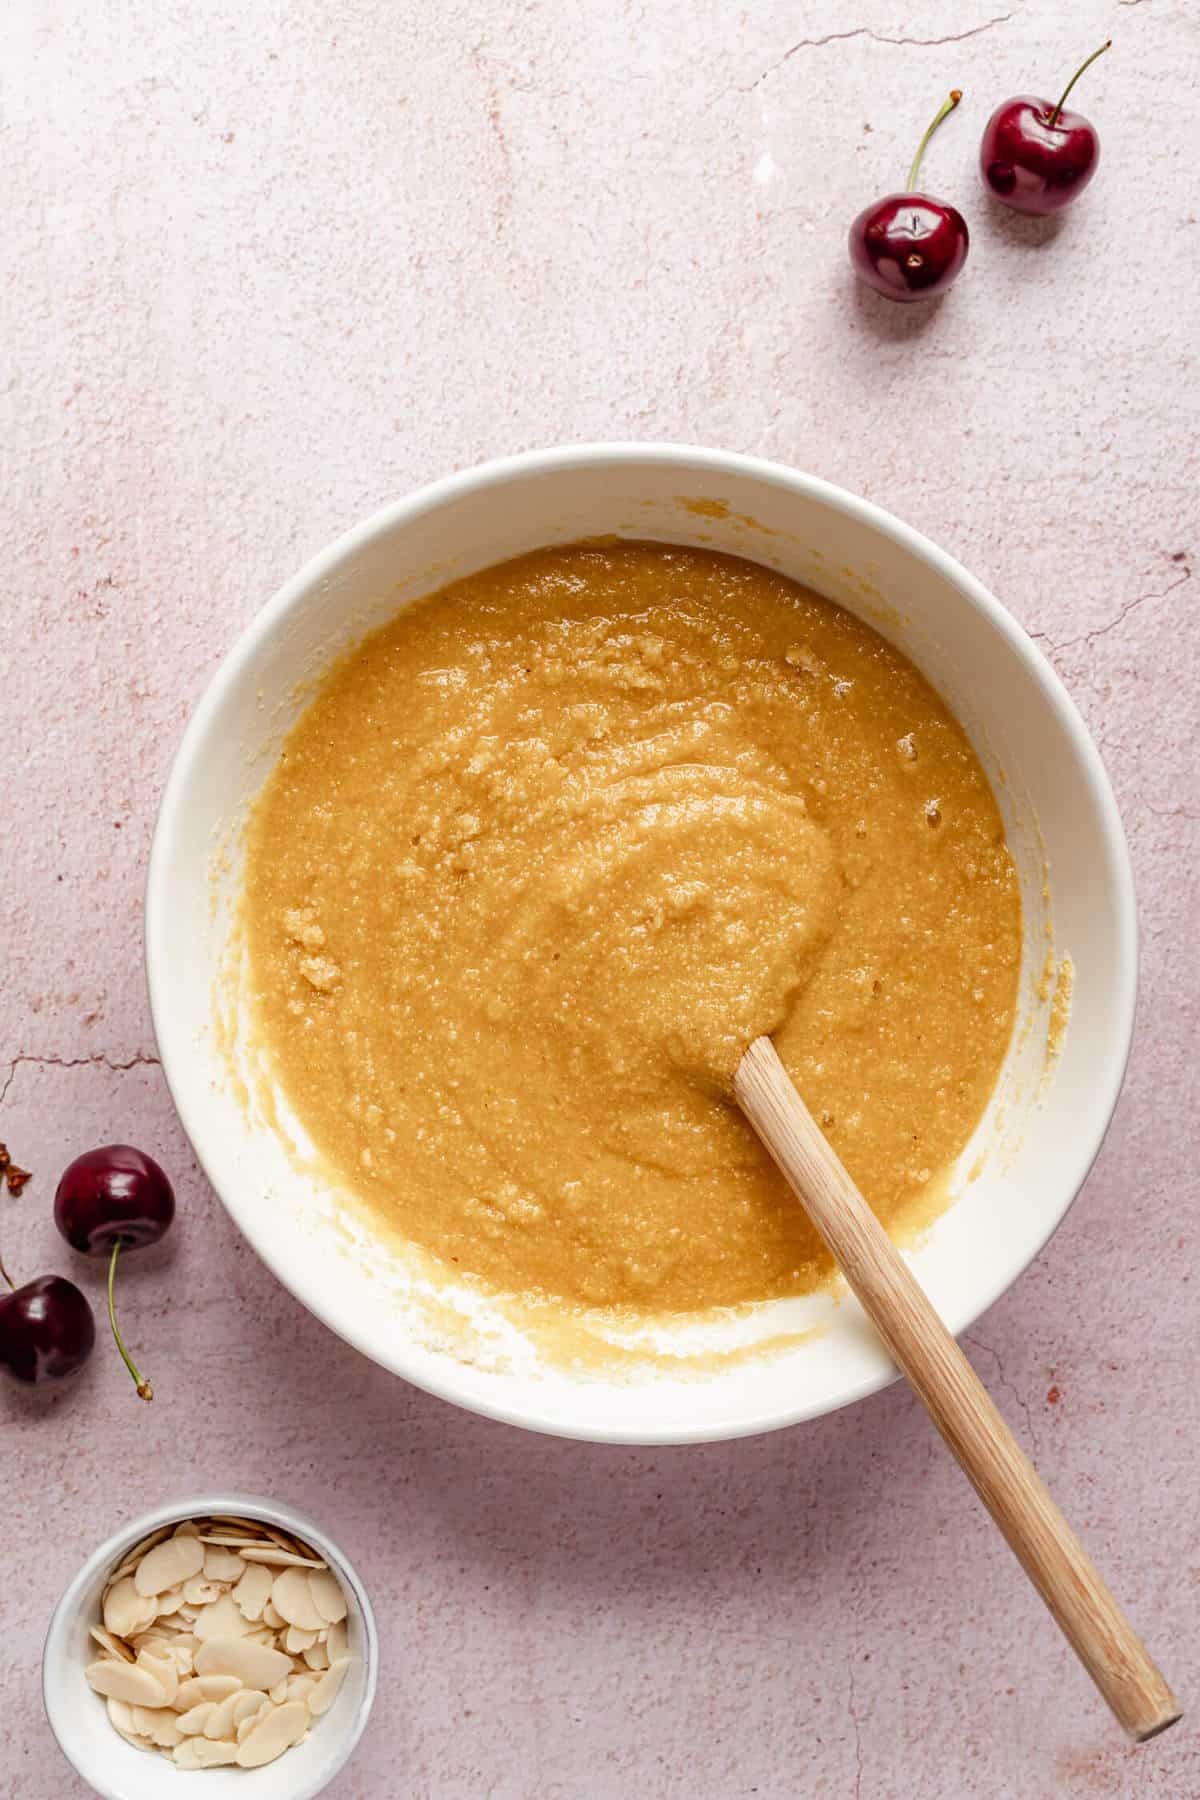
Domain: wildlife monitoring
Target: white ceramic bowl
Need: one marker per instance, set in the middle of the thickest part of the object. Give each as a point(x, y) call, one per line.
point(1043, 1129)
point(118, 1770)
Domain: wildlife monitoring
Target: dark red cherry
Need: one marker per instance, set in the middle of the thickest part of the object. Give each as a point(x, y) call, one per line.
point(911, 246)
point(1037, 158)
point(109, 1200)
point(116, 1195)
point(46, 1330)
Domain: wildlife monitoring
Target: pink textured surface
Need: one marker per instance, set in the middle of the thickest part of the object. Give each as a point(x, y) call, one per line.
point(267, 267)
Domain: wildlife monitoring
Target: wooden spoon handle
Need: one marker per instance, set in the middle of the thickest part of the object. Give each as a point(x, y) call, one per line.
point(959, 1404)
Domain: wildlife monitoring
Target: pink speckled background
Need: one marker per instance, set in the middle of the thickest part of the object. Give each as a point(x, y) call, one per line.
point(269, 265)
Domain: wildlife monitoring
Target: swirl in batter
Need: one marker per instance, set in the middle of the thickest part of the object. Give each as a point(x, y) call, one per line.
point(544, 854)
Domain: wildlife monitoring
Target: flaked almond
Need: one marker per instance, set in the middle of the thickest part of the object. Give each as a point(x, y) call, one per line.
point(192, 1722)
point(255, 1665)
point(253, 1591)
point(272, 1733)
point(169, 1564)
point(292, 1600)
point(159, 1725)
point(201, 1753)
point(125, 1681)
point(271, 1615)
point(246, 1704)
point(223, 1618)
point(220, 1721)
point(338, 1641)
point(126, 1612)
point(121, 1714)
point(134, 1556)
point(296, 1640)
point(280, 1558)
point(200, 1591)
point(221, 1564)
point(161, 1665)
point(328, 1688)
point(114, 1645)
point(200, 1688)
point(317, 1656)
point(327, 1596)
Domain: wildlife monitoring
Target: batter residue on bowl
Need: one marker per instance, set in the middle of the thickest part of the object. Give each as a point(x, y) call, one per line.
point(545, 853)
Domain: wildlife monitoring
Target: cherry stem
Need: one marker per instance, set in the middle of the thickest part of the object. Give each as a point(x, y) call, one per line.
point(947, 106)
point(145, 1391)
point(7, 1276)
point(1106, 45)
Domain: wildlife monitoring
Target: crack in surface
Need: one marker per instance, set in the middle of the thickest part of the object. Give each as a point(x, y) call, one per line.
point(139, 1060)
point(864, 31)
point(856, 1721)
point(1170, 812)
point(1008, 1385)
point(1099, 631)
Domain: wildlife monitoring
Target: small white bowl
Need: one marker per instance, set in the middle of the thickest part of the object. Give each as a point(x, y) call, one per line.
point(1021, 1170)
point(118, 1770)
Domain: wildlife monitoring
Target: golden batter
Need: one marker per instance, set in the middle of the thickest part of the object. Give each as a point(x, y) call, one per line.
point(546, 852)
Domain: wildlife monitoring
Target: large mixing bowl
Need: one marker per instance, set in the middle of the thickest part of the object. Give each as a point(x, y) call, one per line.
point(1034, 1147)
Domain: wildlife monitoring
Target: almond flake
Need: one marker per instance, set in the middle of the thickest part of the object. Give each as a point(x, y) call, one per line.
point(192, 1722)
point(327, 1596)
point(280, 1558)
point(253, 1591)
point(222, 1619)
point(163, 1669)
point(292, 1600)
point(220, 1721)
point(221, 1564)
point(159, 1725)
point(272, 1733)
point(201, 1688)
point(328, 1688)
point(126, 1612)
point(246, 1704)
point(114, 1645)
point(125, 1681)
point(255, 1665)
point(134, 1556)
point(168, 1564)
point(121, 1714)
point(199, 1753)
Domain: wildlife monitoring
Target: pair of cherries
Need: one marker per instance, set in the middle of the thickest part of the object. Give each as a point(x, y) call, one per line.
point(108, 1201)
point(1034, 157)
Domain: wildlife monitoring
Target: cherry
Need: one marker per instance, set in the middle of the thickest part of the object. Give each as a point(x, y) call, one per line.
point(110, 1200)
point(911, 246)
point(46, 1330)
point(1037, 158)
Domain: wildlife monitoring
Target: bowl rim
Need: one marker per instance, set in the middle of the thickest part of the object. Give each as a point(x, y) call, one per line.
point(1108, 1080)
point(114, 1547)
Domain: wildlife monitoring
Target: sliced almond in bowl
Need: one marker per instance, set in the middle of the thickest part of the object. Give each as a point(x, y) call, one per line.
point(274, 1730)
point(293, 1601)
point(255, 1665)
point(168, 1564)
point(126, 1681)
point(328, 1688)
point(216, 1652)
point(201, 1753)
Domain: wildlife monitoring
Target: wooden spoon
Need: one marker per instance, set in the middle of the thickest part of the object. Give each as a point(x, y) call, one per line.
point(959, 1404)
